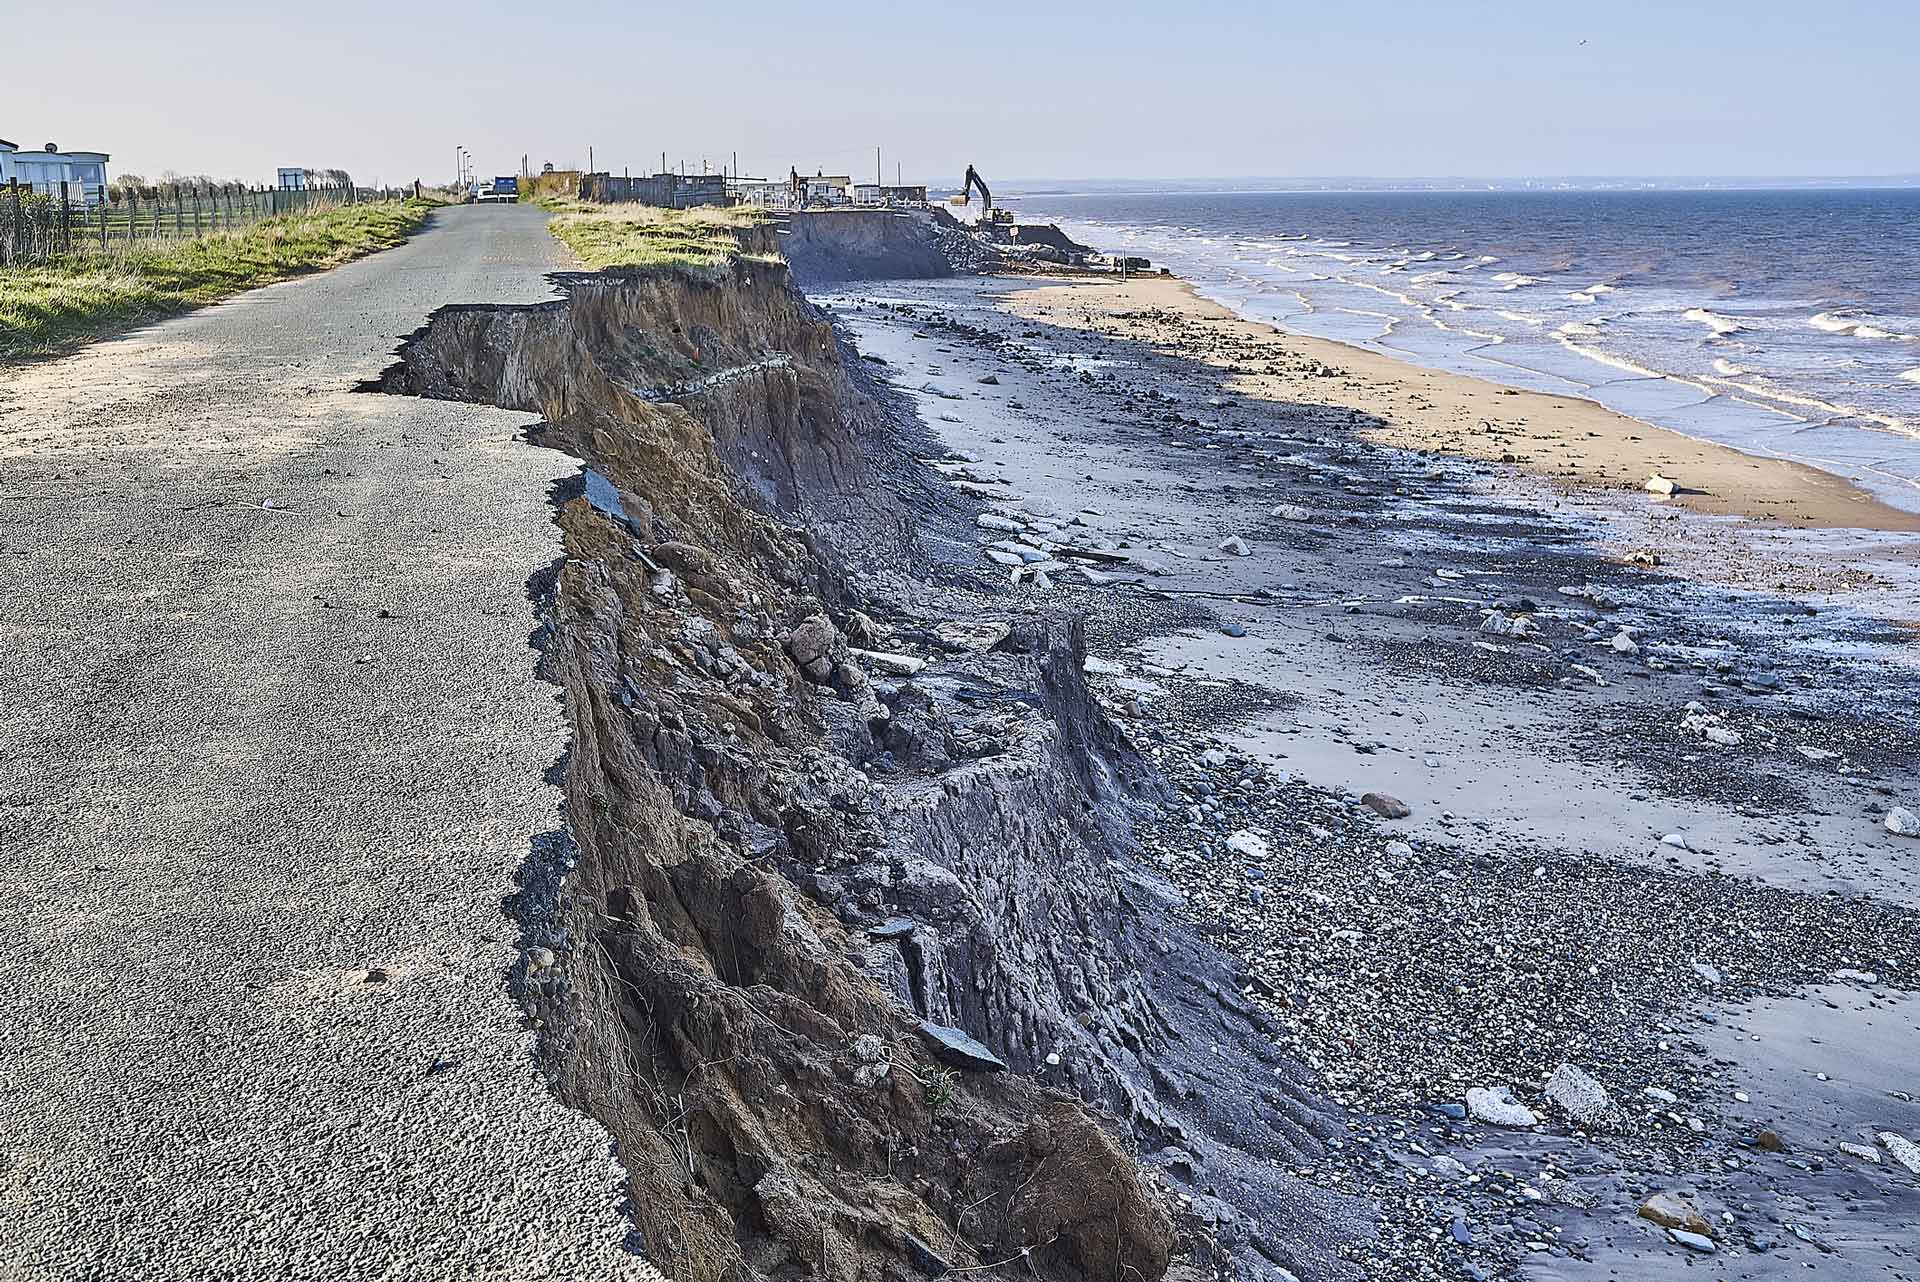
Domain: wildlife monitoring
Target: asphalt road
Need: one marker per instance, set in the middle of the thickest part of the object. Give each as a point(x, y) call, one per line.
point(271, 760)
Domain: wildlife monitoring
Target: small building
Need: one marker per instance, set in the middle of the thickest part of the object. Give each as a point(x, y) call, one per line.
point(667, 191)
point(762, 193)
point(884, 194)
point(820, 189)
point(84, 172)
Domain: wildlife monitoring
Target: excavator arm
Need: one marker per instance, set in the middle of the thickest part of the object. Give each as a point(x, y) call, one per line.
point(973, 180)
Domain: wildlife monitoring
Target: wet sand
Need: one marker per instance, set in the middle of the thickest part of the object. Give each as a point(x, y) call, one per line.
point(1566, 440)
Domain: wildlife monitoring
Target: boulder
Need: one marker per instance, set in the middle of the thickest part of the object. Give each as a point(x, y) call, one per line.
point(816, 645)
point(1509, 625)
point(1676, 1211)
point(1902, 822)
point(1904, 1150)
point(1249, 843)
point(956, 1047)
point(1577, 1094)
point(1496, 1106)
point(1386, 806)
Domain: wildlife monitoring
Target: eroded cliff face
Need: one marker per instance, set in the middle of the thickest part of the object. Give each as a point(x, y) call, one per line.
point(840, 952)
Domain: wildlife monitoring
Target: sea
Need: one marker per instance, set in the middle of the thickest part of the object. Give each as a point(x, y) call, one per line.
point(1780, 322)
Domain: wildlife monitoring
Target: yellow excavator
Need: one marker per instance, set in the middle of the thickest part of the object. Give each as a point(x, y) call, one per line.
point(990, 217)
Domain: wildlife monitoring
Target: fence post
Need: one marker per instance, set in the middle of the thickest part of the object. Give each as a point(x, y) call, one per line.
point(66, 220)
point(104, 205)
point(196, 211)
point(158, 201)
point(19, 227)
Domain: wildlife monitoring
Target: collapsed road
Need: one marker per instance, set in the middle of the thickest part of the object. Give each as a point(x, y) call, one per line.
point(271, 757)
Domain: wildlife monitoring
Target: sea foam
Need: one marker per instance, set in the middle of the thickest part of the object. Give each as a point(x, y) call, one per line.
point(1719, 324)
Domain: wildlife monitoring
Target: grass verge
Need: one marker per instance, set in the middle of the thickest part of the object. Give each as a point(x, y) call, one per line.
point(700, 241)
point(72, 300)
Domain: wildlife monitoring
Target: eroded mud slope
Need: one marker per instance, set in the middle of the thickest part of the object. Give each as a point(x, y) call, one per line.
point(839, 937)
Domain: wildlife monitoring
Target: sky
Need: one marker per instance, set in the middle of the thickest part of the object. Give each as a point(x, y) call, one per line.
point(1035, 90)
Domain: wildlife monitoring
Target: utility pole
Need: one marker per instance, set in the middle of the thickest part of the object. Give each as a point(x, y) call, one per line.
point(878, 181)
point(589, 158)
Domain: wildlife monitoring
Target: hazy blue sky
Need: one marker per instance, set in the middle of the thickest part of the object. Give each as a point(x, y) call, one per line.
point(1024, 90)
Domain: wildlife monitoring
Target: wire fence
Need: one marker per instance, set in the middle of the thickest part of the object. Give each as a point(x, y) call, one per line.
point(37, 226)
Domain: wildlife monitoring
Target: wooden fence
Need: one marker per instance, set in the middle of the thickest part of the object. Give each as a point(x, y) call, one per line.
point(36, 226)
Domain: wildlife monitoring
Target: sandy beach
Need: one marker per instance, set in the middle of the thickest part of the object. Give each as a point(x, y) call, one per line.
point(1571, 442)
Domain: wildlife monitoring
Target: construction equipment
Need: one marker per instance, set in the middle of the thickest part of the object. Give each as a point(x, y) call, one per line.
point(989, 216)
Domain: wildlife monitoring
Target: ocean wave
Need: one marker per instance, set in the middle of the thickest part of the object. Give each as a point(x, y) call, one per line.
point(1577, 330)
point(1625, 365)
point(1729, 369)
point(1841, 323)
point(1912, 376)
point(1718, 324)
point(1800, 401)
point(1515, 279)
point(1522, 318)
point(1481, 334)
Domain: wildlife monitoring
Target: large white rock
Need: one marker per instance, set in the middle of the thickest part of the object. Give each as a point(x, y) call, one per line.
point(1249, 843)
point(1902, 822)
point(1904, 1150)
point(1496, 1106)
point(1578, 1095)
point(1509, 625)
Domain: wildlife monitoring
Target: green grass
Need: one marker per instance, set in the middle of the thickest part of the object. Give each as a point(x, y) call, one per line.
point(82, 296)
point(700, 241)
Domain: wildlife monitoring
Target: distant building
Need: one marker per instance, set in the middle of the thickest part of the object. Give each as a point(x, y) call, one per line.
point(668, 191)
point(84, 172)
point(820, 189)
point(763, 193)
point(884, 194)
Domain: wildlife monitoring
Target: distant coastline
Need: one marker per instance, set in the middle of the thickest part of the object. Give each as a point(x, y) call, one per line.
point(1041, 187)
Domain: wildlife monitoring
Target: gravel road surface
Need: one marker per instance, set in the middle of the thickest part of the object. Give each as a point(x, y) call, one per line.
point(272, 758)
